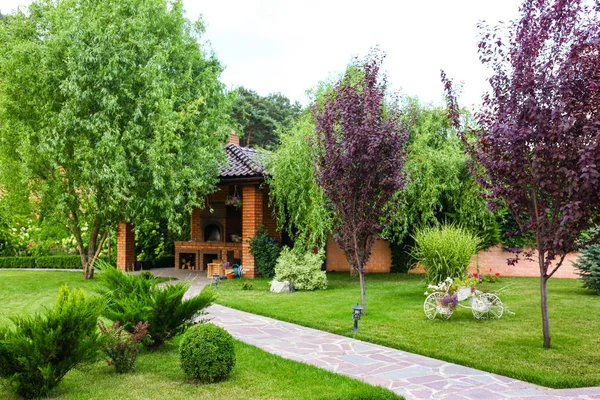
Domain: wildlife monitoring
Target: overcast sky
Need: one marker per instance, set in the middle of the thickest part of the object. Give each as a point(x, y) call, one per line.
point(289, 46)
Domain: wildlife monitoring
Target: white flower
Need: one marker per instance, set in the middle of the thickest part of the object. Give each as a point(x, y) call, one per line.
point(426, 293)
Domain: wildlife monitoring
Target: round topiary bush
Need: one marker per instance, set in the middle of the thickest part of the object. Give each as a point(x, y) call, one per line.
point(207, 352)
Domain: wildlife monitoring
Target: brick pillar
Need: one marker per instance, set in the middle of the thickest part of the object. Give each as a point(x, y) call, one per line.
point(125, 247)
point(252, 218)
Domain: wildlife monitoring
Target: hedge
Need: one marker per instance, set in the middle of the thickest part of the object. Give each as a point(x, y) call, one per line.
point(17, 262)
point(59, 262)
point(71, 262)
point(50, 262)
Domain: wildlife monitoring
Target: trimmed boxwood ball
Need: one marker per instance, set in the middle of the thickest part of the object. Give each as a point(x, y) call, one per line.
point(207, 352)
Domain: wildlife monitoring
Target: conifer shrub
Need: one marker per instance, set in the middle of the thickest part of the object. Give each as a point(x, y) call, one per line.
point(589, 267)
point(144, 297)
point(39, 350)
point(265, 251)
point(207, 353)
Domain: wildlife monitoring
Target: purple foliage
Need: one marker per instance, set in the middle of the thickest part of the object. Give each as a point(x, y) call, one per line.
point(362, 139)
point(537, 146)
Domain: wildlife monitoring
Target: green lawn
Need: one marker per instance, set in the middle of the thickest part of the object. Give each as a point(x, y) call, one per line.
point(257, 374)
point(511, 346)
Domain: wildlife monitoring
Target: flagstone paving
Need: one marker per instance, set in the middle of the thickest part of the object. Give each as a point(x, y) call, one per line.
point(410, 375)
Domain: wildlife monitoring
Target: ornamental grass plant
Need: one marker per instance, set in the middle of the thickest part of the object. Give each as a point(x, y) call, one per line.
point(444, 251)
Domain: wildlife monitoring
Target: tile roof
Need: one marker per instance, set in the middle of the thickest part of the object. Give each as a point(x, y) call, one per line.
point(242, 162)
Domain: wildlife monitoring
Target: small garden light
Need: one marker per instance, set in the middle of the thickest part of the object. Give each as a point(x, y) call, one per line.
point(356, 312)
point(216, 278)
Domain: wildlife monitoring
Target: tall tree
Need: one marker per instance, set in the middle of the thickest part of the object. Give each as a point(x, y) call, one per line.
point(261, 118)
point(112, 111)
point(299, 200)
point(439, 187)
point(538, 146)
point(361, 141)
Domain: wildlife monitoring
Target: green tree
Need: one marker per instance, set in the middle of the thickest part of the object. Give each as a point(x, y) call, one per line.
point(111, 110)
point(260, 119)
point(298, 199)
point(440, 187)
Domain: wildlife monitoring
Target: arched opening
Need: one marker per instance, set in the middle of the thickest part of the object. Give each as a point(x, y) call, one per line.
point(213, 232)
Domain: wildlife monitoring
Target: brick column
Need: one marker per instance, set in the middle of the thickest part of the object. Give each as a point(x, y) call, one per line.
point(125, 247)
point(252, 218)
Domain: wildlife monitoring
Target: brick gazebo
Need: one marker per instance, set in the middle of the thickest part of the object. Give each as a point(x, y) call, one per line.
point(220, 231)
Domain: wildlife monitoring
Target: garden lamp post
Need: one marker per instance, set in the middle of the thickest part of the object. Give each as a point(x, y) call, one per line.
point(356, 312)
point(216, 280)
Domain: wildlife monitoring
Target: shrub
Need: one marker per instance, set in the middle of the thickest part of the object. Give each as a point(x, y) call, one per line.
point(120, 346)
point(17, 262)
point(444, 251)
point(303, 270)
point(265, 251)
point(589, 267)
point(207, 353)
point(42, 349)
point(135, 298)
point(60, 262)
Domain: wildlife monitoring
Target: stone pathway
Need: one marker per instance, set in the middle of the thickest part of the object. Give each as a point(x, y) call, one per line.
point(410, 375)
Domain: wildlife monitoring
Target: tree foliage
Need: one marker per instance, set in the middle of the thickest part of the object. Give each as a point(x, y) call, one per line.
point(538, 146)
point(111, 110)
point(440, 188)
point(261, 118)
point(360, 153)
point(298, 199)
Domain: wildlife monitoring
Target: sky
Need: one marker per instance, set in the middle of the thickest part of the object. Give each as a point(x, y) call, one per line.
point(290, 46)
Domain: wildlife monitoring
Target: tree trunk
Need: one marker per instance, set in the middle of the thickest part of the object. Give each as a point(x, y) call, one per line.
point(88, 270)
point(361, 274)
point(545, 321)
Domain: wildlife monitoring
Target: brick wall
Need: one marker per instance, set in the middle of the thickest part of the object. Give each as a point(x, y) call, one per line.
point(125, 247)
point(492, 260)
point(380, 260)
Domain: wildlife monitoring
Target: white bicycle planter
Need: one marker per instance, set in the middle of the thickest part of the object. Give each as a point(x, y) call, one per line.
point(483, 305)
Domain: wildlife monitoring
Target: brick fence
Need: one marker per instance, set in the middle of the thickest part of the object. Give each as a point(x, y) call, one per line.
point(492, 260)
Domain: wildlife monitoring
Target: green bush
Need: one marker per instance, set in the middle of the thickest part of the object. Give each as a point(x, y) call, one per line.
point(589, 267)
point(42, 349)
point(444, 251)
point(139, 297)
point(207, 353)
point(59, 262)
point(265, 251)
point(17, 262)
point(303, 270)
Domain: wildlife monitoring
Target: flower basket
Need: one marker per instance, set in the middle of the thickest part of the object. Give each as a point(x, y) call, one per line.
point(480, 305)
point(463, 293)
point(234, 201)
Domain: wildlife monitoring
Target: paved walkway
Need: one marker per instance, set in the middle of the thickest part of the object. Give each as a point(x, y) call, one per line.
point(410, 375)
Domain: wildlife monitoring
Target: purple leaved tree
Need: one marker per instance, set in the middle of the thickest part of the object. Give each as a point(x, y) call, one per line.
point(361, 140)
point(537, 146)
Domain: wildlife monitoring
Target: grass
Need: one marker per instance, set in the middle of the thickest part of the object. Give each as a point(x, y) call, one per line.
point(257, 374)
point(511, 346)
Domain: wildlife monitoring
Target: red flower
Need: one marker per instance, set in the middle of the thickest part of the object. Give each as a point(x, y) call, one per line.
point(475, 275)
point(472, 290)
point(497, 273)
point(491, 279)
